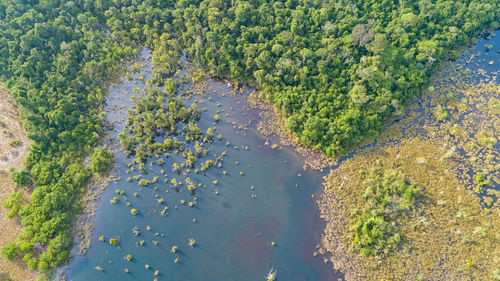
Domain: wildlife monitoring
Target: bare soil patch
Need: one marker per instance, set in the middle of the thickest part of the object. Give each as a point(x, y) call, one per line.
point(13, 149)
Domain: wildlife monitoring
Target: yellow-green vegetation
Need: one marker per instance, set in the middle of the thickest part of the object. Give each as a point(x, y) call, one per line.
point(449, 151)
point(101, 160)
point(174, 249)
point(114, 241)
point(335, 71)
point(191, 242)
point(388, 199)
point(162, 113)
point(11, 128)
point(448, 236)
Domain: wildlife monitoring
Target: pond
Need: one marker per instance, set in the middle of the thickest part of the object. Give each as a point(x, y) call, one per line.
point(262, 214)
point(244, 225)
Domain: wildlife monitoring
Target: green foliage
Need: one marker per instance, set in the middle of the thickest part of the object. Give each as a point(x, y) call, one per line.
point(10, 251)
point(101, 160)
point(55, 57)
point(114, 241)
point(21, 178)
point(389, 197)
point(440, 113)
point(345, 66)
point(335, 71)
point(14, 203)
point(15, 143)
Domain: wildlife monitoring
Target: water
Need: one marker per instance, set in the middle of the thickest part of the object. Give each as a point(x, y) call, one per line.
point(234, 232)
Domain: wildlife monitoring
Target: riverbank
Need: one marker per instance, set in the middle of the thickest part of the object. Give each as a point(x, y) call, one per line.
point(13, 149)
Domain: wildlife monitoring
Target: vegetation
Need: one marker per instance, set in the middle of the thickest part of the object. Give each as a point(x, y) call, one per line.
point(101, 160)
point(55, 57)
point(389, 197)
point(425, 238)
point(337, 72)
point(21, 178)
point(449, 231)
point(114, 241)
point(14, 202)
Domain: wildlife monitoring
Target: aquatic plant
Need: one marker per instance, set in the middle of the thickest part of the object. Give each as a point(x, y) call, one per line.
point(136, 231)
point(191, 242)
point(174, 249)
point(271, 275)
point(114, 241)
point(440, 113)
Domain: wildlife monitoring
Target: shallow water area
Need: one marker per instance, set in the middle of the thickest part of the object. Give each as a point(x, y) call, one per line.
point(243, 226)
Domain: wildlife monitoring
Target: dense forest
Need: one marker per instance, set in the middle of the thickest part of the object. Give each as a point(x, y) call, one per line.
point(338, 70)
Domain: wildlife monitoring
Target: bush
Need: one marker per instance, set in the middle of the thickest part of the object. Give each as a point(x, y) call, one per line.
point(101, 160)
point(114, 241)
point(388, 198)
point(14, 202)
point(10, 251)
point(21, 178)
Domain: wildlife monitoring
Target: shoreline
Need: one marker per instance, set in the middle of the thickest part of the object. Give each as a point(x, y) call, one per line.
point(269, 121)
point(84, 222)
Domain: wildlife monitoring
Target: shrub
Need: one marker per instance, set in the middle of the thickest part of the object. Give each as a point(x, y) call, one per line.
point(388, 198)
point(101, 160)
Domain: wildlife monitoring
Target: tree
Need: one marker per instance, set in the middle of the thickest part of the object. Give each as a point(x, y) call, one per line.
point(21, 178)
point(358, 94)
point(101, 160)
point(14, 203)
point(379, 43)
point(361, 35)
